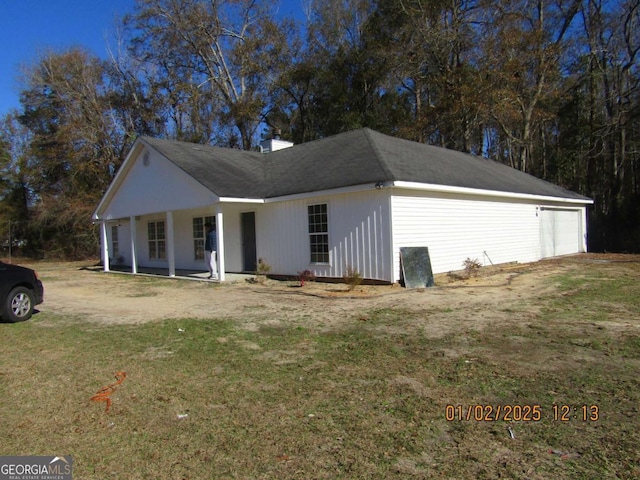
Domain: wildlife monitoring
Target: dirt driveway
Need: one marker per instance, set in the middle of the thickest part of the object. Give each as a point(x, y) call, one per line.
point(79, 290)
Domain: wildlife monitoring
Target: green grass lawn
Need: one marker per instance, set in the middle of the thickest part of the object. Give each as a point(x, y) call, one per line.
point(217, 401)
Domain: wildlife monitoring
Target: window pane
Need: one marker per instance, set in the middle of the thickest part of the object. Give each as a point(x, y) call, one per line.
point(198, 228)
point(151, 231)
point(198, 248)
point(199, 234)
point(160, 230)
point(318, 233)
point(161, 250)
point(320, 257)
point(114, 240)
point(319, 246)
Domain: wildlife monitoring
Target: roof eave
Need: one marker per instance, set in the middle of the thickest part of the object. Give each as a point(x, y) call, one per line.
point(240, 200)
point(119, 177)
point(489, 193)
point(366, 187)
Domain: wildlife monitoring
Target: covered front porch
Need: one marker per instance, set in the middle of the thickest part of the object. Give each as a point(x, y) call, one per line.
point(171, 243)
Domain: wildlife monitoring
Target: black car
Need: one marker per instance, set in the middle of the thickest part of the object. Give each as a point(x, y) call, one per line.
point(20, 292)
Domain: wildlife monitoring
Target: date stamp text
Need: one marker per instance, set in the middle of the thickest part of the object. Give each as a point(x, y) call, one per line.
point(521, 413)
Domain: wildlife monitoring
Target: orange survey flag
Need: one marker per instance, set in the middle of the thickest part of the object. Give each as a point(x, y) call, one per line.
point(104, 394)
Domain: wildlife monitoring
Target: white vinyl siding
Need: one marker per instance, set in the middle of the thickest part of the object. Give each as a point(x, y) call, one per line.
point(456, 228)
point(365, 231)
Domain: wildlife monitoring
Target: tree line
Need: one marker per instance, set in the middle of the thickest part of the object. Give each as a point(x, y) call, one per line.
point(550, 87)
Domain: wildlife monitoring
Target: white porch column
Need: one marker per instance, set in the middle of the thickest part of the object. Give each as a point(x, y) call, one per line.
point(134, 244)
point(105, 245)
point(220, 235)
point(170, 246)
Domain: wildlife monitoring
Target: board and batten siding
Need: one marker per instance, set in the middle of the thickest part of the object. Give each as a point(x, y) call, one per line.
point(456, 228)
point(358, 232)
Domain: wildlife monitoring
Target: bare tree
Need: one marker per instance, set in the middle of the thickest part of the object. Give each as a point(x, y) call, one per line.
point(74, 148)
point(522, 43)
point(214, 59)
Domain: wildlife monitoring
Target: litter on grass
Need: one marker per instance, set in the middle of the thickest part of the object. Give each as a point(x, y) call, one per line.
point(564, 455)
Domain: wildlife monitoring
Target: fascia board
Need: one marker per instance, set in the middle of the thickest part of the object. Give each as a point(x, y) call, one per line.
point(240, 200)
point(117, 180)
point(488, 193)
point(323, 193)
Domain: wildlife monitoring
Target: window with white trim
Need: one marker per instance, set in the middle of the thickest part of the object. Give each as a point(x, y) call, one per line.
point(157, 241)
point(318, 233)
point(199, 235)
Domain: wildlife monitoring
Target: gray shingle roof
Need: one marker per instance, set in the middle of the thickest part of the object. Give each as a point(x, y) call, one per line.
point(226, 172)
point(353, 158)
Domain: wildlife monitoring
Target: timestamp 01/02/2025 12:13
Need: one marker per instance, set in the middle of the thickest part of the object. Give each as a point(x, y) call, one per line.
point(522, 413)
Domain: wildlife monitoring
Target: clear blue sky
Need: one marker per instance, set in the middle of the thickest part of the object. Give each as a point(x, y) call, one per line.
point(31, 26)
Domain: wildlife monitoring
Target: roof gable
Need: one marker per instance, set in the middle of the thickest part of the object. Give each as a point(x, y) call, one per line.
point(142, 185)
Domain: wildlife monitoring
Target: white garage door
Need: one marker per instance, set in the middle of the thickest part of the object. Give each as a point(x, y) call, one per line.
point(560, 232)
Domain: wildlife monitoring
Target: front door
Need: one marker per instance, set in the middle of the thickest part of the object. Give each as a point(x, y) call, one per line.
point(249, 241)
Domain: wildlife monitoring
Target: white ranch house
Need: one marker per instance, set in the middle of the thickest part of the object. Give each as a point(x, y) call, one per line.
point(351, 200)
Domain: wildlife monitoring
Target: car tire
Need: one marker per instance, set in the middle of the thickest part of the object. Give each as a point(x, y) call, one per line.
point(18, 305)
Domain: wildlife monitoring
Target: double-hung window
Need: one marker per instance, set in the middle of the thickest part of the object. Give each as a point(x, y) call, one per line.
point(157, 241)
point(318, 233)
point(199, 234)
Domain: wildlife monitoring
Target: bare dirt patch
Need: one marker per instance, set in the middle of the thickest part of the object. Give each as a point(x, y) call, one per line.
point(81, 290)
point(501, 300)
